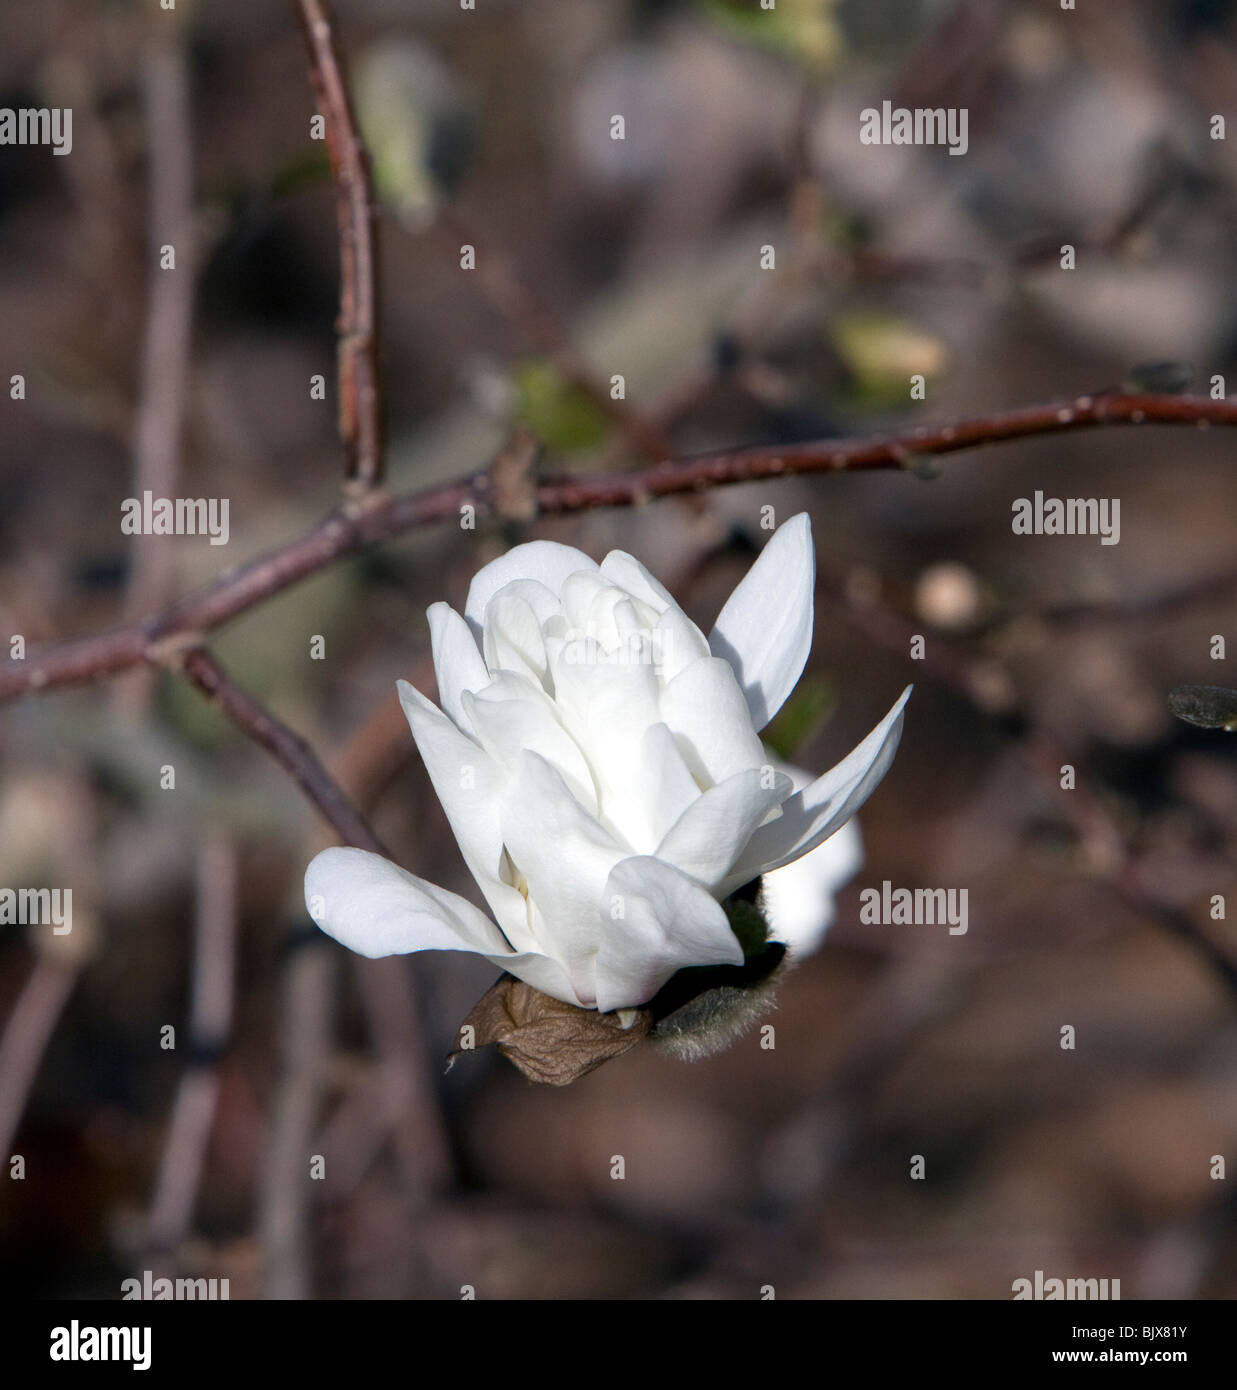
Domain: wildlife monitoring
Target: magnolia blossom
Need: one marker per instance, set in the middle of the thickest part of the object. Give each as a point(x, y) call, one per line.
point(798, 900)
point(600, 764)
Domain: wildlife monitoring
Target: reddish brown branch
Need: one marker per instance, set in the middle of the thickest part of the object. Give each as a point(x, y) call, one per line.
point(345, 532)
point(360, 381)
point(287, 748)
point(881, 450)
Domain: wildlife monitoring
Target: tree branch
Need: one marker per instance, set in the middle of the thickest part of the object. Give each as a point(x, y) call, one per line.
point(381, 516)
point(360, 379)
point(170, 294)
point(26, 1034)
point(210, 1020)
point(287, 748)
point(405, 1088)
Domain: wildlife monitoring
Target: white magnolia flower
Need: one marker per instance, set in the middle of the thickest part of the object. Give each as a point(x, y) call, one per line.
point(598, 759)
point(798, 900)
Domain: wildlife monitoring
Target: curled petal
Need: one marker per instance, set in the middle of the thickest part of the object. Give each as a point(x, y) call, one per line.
point(545, 561)
point(546, 974)
point(611, 710)
point(564, 856)
point(378, 909)
point(708, 716)
point(458, 664)
point(809, 817)
point(512, 715)
point(660, 791)
point(798, 899)
point(707, 838)
point(513, 640)
point(471, 786)
point(654, 921)
point(765, 629)
point(375, 908)
point(677, 643)
point(629, 574)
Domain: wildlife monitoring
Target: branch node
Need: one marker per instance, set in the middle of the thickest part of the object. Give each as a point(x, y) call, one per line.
point(361, 497)
point(171, 651)
point(512, 477)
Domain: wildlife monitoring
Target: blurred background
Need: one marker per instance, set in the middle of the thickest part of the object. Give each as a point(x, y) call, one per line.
point(1089, 908)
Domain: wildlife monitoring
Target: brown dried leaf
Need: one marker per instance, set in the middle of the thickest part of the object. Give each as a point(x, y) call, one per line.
point(549, 1041)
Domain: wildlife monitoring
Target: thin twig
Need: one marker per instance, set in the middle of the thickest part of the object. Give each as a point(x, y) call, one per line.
point(287, 748)
point(347, 531)
point(26, 1035)
point(210, 1020)
point(60, 960)
point(305, 1009)
point(395, 1097)
point(168, 327)
point(1209, 589)
point(1094, 823)
point(360, 379)
point(169, 314)
point(409, 1106)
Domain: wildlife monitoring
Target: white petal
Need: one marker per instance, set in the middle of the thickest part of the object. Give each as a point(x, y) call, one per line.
point(710, 834)
point(543, 601)
point(565, 856)
point(511, 715)
point(812, 815)
point(613, 616)
point(629, 625)
point(650, 790)
point(458, 664)
point(798, 899)
point(467, 780)
point(378, 909)
point(629, 574)
point(667, 922)
point(609, 707)
point(545, 974)
point(580, 590)
point(471, 786)
point(709, 718)
point(513, 640)
point(545, 561)
point(765, 629)
point(677, 643)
